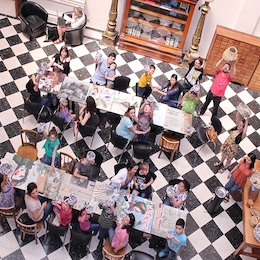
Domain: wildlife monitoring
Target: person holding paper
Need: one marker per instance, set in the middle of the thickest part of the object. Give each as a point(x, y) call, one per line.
point(77, 19)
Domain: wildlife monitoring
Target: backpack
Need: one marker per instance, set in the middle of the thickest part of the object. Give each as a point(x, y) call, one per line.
point(212, 134)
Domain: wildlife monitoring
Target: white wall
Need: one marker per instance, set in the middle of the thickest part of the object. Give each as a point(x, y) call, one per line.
point(241, 15)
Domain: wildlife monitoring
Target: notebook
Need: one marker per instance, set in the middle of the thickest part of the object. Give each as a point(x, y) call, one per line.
point(61, 21)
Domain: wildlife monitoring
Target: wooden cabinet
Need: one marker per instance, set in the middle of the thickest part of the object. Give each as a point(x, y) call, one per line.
point(156, 28)
point(248, 46)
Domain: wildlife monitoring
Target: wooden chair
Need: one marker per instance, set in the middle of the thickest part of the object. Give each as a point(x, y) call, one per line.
point(169, 143)
point(30, 229)
point(67, 162)
point(8, 212)
point(28, 148)
point(108, 252)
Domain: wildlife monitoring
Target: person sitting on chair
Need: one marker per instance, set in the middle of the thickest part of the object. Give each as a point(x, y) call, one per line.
point(143, 180)
point(177, 195)
point(77, 19)
point(103, 66)
point(126, 127)
point(170, 91)
point(125, 176)
point(61, 61)
point(84, 168)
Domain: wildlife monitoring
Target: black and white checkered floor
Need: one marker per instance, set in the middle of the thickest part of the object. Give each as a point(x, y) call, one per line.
point(209, 237)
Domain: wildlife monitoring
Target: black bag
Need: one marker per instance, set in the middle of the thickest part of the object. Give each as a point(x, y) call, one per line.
point(52, 33)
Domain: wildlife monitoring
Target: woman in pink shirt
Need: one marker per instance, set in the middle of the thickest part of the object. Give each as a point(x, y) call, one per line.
point(119, 237)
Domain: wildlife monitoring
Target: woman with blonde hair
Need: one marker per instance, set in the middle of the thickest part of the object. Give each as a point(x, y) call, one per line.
point(77, 19)
point(126, 127)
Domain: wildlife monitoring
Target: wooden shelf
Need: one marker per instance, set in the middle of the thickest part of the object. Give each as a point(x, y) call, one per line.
point(248, 46)
point(154, 46)
point(155, 25)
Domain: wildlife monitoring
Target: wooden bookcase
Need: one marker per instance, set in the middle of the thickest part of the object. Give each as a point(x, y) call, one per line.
point(156, 28)
point(248, 46)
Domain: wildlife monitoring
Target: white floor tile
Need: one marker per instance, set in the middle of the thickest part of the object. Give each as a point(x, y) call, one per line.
point(199, 240)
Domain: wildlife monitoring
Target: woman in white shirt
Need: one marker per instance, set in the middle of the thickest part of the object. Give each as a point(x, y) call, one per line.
point(125, 176)
point(78, 18)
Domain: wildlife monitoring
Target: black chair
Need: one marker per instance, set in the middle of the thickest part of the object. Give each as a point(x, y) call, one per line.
point(87, 131)
point(121, 83)
point(118, 167)
point(74, 36)
point(59, 122)
point(32, 108)
point(138, 255)
point(142, 150)
point(80, 238)
point(119, 142)
point(33, 19)
point(147, 92)
point(96, 169)
point(57, 231)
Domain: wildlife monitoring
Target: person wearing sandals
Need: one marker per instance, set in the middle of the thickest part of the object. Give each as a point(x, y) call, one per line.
point(239, 174)
point(230, 146)
point(77, 19)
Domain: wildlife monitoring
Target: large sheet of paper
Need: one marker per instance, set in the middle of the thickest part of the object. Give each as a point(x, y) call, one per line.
point(142, 209)
point(51, 82)
point(74, 89)
point(165, 218)
point(82, 189)
point(171, 118)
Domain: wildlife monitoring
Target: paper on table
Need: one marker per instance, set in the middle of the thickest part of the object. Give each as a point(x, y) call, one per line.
point(66, 17)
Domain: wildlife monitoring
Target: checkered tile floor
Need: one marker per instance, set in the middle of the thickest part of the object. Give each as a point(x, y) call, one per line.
point(209, 237)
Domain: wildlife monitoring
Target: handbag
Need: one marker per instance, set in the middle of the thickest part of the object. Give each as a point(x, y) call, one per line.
point(52, 33)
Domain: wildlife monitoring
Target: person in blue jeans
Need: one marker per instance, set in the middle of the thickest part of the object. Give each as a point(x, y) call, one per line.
point(176, 241)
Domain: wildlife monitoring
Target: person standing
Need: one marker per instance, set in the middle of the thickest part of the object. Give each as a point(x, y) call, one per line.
point(194, 74)
point(103, 66)
point(220, 83)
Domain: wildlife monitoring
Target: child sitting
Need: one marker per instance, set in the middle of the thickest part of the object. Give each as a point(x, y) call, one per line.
point(105, 220)
point(176, 241)
point(110, 75)
point(84, 221)
point(84, 168)
point(144, 119)
point(143, 180)
point(65, 112)
point(63, 211)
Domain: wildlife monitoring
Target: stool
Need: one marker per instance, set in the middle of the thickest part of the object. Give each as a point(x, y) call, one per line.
point(108, 252)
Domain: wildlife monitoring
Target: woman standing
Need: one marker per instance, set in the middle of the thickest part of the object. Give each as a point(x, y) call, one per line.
point(126, 127)
point(125, 176)
point(119, 237)
point(37, 207)
point(238, 176)
point(61, 61)
point(51, 156)
point(170, 91)
point(230, 146)
point(178, 195)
